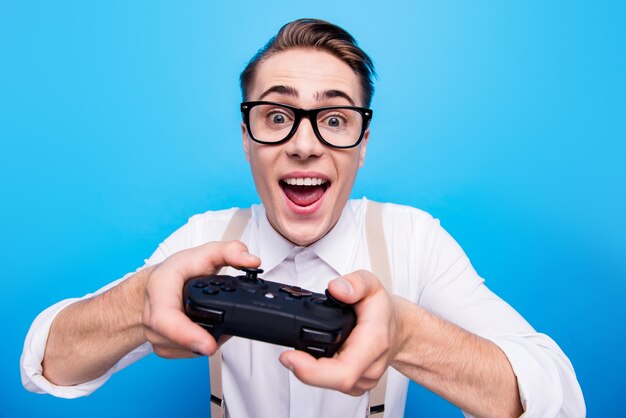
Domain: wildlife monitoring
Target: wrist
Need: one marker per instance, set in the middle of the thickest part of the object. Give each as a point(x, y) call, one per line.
point(401, 311)
point(132, 300)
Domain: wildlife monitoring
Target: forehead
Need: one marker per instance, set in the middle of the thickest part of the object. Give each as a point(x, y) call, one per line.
point(310, 73)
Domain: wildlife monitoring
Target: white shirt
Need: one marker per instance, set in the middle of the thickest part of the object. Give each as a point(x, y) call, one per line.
point(427, 267)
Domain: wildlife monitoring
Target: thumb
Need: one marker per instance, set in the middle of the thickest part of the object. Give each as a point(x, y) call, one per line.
point(354, 287)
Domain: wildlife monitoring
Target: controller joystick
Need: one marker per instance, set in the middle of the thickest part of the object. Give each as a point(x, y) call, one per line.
point(332, 301)
point(250, 307)
point(251, 273)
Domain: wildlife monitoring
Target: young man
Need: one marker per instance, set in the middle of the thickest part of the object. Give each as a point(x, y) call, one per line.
point(446, 331)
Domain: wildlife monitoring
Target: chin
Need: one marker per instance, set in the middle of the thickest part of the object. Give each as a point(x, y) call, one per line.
point(305, 239)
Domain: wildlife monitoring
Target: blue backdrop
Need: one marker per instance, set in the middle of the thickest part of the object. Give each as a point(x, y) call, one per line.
point(119, 120)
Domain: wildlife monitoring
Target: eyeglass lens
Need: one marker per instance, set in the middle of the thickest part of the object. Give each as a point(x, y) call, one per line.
point(273, 123)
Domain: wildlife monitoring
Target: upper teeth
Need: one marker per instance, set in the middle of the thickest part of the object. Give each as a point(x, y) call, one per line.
point(308, 181)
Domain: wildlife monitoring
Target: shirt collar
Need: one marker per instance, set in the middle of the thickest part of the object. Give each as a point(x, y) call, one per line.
point(273, 248)
point(335, 248)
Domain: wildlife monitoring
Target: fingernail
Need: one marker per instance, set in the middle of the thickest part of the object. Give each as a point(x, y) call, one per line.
point(248, 255)
point(343, 285)
point(286, 363)
point(197, 349)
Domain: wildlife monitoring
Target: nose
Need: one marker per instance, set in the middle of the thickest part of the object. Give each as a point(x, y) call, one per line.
point(304, 144)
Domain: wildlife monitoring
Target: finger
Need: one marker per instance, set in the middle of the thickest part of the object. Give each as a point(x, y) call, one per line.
point(174, 326)
point(167, 281)
point(331, 373)
point(208, 258)
point(354, 287)
point(173, 353)
point(357, 355)
point(323, 372)
point(164, 291)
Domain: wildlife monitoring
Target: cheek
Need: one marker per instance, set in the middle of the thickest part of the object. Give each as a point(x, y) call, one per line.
point(261, 167)
point(348, 171)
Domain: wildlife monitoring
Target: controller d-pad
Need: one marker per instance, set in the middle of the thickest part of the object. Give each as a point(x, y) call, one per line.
point(210, 290)
point(295, 291)
point(198, 284)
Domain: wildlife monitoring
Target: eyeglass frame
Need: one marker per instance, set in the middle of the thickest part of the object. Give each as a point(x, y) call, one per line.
point(310, 114)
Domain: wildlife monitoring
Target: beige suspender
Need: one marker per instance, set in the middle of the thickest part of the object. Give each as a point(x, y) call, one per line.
point(234, 230)
point(379, 260)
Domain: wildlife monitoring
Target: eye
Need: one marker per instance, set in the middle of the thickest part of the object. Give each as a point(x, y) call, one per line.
point(334, 120)
point(277, 117)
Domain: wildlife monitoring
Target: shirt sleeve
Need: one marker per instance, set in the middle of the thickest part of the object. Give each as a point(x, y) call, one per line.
point(450, 287)
point(35, 343)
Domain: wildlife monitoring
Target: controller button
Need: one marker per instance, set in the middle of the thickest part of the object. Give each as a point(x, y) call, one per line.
point(210, 290)
point(316, 351)
point(318, 336)
point(198, 284)
point(332, 301)
point(251, 284)
point(270, 295)
point(228, 287)
point(216, 281)
point(295, 291)
point(202, 314)
point(208, 327)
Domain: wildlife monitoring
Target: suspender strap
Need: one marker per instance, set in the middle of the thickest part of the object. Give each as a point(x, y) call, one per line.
point(379, 260)
point(234, 230)
point(237, 225)
point(218, 406)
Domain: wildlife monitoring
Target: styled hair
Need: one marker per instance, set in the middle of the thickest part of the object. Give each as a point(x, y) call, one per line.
point(320, 35)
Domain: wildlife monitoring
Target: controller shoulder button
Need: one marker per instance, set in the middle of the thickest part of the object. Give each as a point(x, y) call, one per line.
point(319, 336)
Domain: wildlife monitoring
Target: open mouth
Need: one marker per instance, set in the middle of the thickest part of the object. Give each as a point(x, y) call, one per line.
point(304, 191)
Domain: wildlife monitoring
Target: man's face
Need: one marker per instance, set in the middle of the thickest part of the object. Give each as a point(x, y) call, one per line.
point(307, 79)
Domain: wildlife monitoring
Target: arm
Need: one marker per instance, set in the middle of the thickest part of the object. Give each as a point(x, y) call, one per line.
point(451, 327)
point(469, 371)
point(87, 338)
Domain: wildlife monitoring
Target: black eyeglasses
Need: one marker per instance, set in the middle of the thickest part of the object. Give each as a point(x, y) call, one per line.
point(334, 126)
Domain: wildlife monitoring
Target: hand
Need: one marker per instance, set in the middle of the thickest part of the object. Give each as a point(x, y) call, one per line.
point(366, 354)
point(171, 333)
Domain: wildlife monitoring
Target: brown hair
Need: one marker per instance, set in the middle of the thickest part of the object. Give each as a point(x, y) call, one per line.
point(316, 34)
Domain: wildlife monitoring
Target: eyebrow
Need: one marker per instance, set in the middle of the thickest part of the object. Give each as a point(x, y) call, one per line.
point(331, 94)
point(319, 96)
point(284, 90)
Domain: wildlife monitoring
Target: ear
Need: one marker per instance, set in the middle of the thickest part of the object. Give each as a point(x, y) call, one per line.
point(366, 137)
point(245, 141)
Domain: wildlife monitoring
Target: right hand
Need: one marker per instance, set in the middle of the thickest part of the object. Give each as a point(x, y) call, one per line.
point(171, 333)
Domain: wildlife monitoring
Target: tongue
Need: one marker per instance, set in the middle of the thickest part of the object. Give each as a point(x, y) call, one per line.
point(303, 195)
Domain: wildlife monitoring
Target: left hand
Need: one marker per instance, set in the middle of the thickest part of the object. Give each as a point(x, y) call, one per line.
point(368, 351)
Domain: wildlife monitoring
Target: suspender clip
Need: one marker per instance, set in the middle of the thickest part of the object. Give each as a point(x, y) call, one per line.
point(217, 401)
point(376, 409)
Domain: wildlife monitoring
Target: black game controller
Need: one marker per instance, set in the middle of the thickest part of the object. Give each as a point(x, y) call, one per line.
point(250, 307)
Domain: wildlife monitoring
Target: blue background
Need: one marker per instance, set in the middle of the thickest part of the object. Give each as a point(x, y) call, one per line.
point(119, 120)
